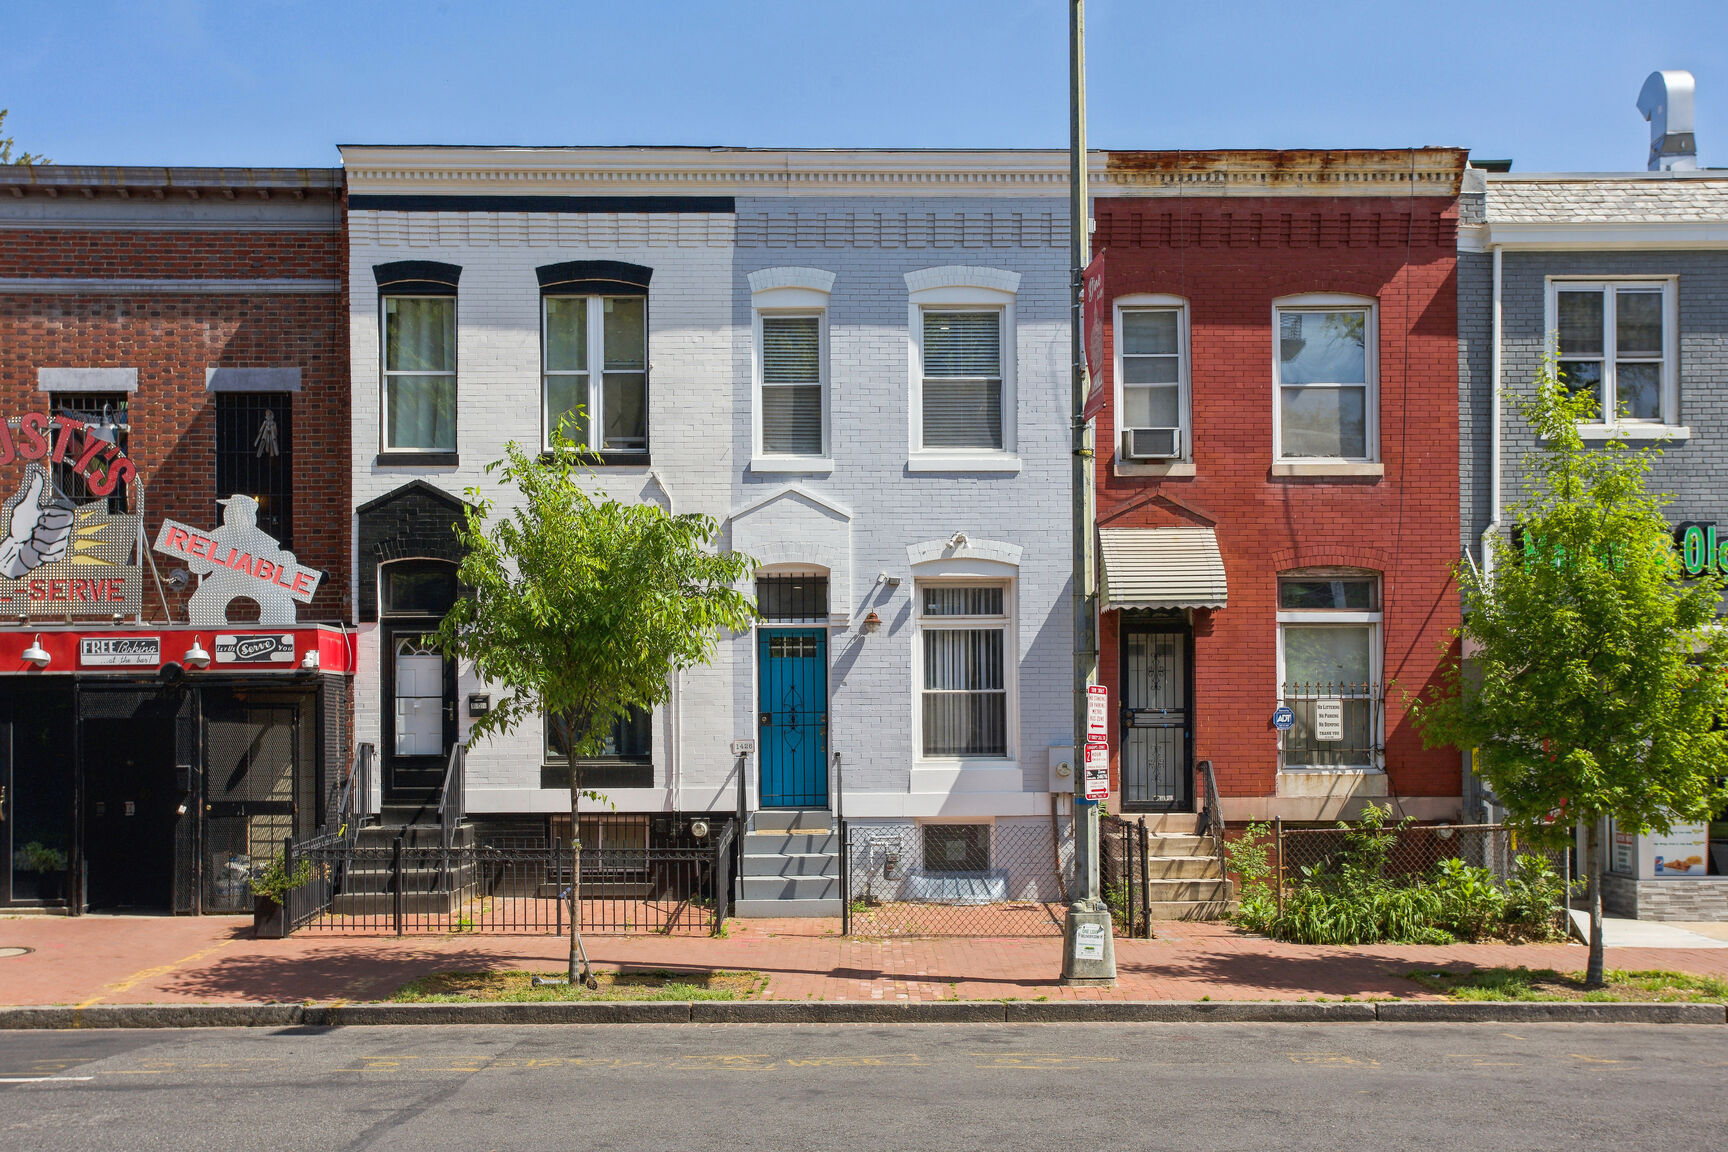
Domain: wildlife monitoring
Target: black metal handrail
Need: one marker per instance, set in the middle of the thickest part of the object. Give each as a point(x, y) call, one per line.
point(1214, 813)
point(452, 801)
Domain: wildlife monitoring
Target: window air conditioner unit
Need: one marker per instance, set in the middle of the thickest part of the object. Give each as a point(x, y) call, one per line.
point(1151, 443)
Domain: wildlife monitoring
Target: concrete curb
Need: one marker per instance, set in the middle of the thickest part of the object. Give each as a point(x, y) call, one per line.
point(857, 1012)
point(1542, 1012)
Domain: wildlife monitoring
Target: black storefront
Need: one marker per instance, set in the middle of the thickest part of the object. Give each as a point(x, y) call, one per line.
point(161, 791)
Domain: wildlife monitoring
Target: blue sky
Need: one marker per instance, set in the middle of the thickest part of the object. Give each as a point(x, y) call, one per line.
point(281, 82)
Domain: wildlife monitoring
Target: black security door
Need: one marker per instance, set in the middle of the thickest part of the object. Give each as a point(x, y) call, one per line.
point(1157, 724)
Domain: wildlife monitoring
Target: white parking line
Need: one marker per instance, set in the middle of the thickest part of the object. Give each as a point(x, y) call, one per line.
point(41, 1079)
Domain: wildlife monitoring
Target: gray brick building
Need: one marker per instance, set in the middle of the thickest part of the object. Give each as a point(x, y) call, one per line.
point(1625, 276)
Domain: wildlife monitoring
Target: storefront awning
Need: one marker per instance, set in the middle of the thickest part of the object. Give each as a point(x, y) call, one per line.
point(1161, 568)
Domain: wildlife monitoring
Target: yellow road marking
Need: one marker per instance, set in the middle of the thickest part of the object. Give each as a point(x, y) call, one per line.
point(148, 973)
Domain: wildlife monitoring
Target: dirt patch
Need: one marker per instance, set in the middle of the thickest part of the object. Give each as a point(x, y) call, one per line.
point(628, 984)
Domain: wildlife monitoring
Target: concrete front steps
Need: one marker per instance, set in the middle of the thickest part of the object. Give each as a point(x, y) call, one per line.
point(1185, 877)
point(428, 887)
point(791, 864)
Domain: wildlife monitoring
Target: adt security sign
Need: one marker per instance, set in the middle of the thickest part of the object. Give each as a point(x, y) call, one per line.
point(1097, 712)
point(1097, 771)
point(1284, 719)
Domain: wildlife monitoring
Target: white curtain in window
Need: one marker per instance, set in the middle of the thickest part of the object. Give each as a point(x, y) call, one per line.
point(420, 372)
point(965, 697)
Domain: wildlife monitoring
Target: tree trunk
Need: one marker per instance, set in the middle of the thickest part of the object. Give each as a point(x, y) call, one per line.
point(1593, 866)
point(575, 853)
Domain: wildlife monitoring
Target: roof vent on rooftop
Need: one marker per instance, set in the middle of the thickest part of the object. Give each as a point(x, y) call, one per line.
point(1666, 101)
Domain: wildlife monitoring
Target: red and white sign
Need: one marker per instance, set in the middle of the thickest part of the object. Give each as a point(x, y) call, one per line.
point(1097, 713)
point(1097, 771)
point(269, 565)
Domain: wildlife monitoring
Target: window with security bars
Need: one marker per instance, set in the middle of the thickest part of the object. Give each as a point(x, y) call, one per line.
point(106, 414)
point(792, 597)
point(956, 847)
point(963, 696)
point(1329, 650)
point(791, 385)
point(962, 380)
point(254, 457)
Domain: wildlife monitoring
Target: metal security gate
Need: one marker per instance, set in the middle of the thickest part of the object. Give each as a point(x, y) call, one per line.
point(1157, 723)
point(258, 790)
point(793, 717)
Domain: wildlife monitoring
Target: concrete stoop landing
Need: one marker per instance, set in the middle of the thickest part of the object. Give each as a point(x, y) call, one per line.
point(429, 886)
point(791, 864)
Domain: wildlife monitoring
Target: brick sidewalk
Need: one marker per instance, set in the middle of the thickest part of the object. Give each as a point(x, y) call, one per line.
point(157, 959)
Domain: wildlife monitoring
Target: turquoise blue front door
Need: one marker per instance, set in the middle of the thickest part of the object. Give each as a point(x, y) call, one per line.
point(792, 716)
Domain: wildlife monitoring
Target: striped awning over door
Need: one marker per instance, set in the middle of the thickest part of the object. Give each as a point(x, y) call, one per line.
point(1161, 568)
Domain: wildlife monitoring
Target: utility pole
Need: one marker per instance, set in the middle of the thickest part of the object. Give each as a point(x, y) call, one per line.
point(1088, 945)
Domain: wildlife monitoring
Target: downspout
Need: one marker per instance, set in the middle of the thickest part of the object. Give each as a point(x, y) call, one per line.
point(675, 706)
point(1494, 342)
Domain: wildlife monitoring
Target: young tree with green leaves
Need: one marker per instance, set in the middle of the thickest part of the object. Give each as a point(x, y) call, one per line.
point(1598, 679)
point(6, 156)
point(581, 608)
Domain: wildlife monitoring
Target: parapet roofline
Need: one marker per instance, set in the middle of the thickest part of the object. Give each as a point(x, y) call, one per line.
point(513, 170)
point(89, 179)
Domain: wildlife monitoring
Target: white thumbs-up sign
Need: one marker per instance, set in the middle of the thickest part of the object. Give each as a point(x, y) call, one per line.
point(36, 534)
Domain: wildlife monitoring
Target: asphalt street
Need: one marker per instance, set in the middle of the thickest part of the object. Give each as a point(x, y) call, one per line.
point(817, 1087)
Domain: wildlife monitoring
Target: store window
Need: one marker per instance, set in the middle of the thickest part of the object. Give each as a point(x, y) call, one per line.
point(1329, 667)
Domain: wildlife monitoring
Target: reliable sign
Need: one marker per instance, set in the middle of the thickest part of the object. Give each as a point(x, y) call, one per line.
point(239, 559)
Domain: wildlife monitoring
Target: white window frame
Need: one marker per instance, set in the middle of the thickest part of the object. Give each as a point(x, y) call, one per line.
point(1331, 302)
point(1376, 655)
point(962, 289)
point(1611, 426)
point(1152, 302)
point(805, 299)
point(596, 373)
point(385, 372)
point(968, 574)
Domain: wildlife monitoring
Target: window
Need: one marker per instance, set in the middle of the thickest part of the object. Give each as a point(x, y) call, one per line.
point(419, 727)
point(963, 639)
point(962, 381)
point(956, 847)
point(631, 737)
point(1324, 360)
point(1616, 343)
point(106, 414)
point(792, 597)
point(1329, 659)
point(420, 373)
point(419, 587)
point(254, 456)
point(595, 359)
point(792, 375)
point(1152, 377)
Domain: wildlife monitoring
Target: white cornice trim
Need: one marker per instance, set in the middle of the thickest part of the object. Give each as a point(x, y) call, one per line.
point(810, 279)
point(962, 276)
point(373, 170)
point(1595, 234)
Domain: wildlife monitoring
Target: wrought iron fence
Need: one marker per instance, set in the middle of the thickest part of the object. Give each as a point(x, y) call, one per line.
point(411, 883)
point(1009, 878)
point(1337, 725)
point(1312, 855)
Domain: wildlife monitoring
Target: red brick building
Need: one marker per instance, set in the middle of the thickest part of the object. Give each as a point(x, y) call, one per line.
point(168, 337)
point(1274, 335)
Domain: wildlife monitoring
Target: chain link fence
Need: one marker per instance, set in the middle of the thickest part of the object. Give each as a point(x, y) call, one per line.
point(1013, 877)
point(1409, 852)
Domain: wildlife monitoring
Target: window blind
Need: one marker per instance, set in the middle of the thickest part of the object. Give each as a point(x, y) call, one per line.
point(792, 385)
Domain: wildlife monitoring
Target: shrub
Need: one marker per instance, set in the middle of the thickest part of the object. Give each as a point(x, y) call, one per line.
point(1535, 901)
point(1471, 904)
point(274, 880)
point(1250, 857)
point(38, 857)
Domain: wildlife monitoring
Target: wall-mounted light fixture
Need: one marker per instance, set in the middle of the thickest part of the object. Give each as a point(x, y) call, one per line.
point(311, 661)
point(870, 623)
point(958, 540)
point(887, 581)
point(36, 654)
point(195, 656)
